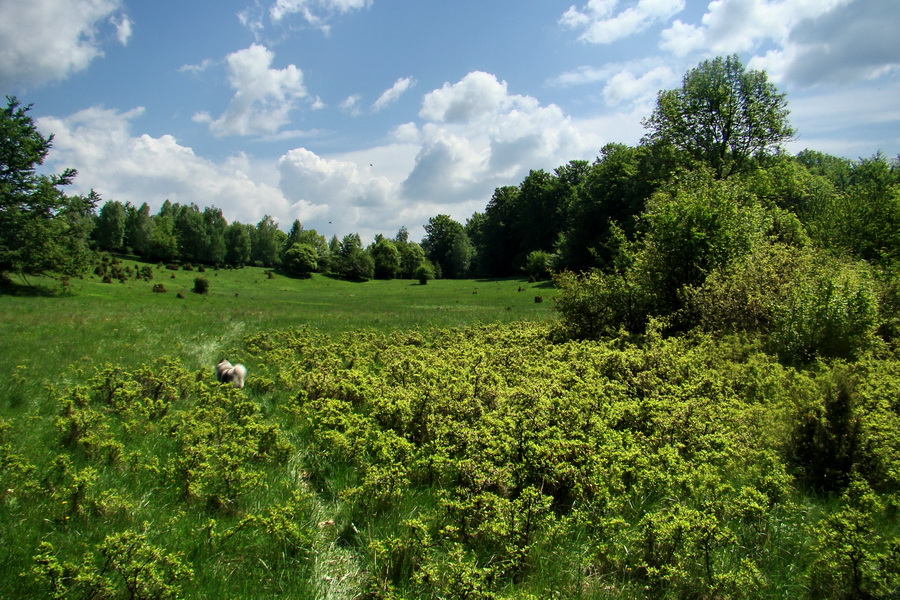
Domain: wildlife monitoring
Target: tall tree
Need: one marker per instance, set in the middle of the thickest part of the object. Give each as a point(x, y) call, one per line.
point(215, 225)
point(42, 230)
point(447, 245)
point(267, 243)
point(109, 232)
point(238, 245)
point(722, 115)
point(138, 227)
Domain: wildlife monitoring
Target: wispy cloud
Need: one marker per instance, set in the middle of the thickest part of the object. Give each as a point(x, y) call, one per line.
point(600, 24)
point(392, 94)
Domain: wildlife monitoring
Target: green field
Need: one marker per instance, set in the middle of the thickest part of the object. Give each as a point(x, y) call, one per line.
point(128, 324)
point(443, 441)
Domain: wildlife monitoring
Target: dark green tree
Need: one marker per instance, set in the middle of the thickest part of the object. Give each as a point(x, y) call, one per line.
point(447, 245)
point(138, 228)
point(267, 243)
point(109, 231)
point(215, 225)
point(42, 230)
point(237, 244)
point(301, 260)
point(352, 261)
point(386, 257)
point(723, 115)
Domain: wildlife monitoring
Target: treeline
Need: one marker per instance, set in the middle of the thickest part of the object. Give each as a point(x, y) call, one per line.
point(186, 234)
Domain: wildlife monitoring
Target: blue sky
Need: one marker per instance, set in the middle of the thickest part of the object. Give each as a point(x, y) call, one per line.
point(368, 115)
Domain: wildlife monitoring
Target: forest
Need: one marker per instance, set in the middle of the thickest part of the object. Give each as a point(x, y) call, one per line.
point(714, 411)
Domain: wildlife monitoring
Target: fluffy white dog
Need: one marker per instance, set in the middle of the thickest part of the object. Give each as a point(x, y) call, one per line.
point(228, 373)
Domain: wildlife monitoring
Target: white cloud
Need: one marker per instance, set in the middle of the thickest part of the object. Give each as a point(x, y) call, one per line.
point(140, 168)
point(263, 96)
point(800, 41)
point(45, 40)
point(602, 26)
point(625, 86)
point(478, 136)
point(634, 82)
point(198, 68)
point(477, 94)
point(315, 12)
point(350, 105)
point(335, 195)
point(123, 28)
point(730, 26)
point(392, 94)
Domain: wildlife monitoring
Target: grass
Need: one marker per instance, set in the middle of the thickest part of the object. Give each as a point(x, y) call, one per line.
point(47, 334)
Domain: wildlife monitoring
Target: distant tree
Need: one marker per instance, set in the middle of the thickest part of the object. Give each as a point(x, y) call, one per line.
point(537, 265)
point(411, 256)
point(386, 257)
point(109, 231)
point(496, 240)
point(722, 115)
point(448, 246)
point(215, 225)
point(612, 191)
point(163, 243)
point(138, 228)
point(267, 243)
point(301, 260)
point(193, 239)
point(424, 273)
point(42, 230)
point(353, 262)
point(237, 244)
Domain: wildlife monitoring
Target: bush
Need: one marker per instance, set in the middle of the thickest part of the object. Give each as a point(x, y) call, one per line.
point(537, 265)
point(596, 304)
point(424, 273)
point(159, 289)
point(201, 285)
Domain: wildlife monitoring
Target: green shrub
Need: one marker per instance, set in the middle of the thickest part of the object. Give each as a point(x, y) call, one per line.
point(201, 285)
point(424, 273)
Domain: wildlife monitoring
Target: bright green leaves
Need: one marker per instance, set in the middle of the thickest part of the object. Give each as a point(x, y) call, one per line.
point(723, 115)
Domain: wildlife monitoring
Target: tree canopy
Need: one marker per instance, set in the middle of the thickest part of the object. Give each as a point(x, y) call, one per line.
point(723, 114)
point(42, 230)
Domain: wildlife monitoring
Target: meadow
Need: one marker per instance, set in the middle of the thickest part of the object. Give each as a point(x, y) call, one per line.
point(440, 441)
point(47, 331)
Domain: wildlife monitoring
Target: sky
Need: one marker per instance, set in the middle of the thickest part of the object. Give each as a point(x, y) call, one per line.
point(365, 116)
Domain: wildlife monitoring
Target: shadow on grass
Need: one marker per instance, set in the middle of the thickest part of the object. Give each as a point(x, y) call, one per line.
point(26, 290)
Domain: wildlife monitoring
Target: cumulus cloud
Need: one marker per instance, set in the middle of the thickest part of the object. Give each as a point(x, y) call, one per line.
point(392, 94)
point(46, 40)
point(477, 136)
point(802, 41)
point(477, 94)
point(602, 25)
point(342, 192)
point(263, 96)
point(122, 166)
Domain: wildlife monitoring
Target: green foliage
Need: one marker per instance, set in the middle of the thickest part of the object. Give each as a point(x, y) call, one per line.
point(537, 265)
point(448, 247)
point(42, 231)
point(301, 260)
point(201, 285)
point(723, 116)
point(424, 273)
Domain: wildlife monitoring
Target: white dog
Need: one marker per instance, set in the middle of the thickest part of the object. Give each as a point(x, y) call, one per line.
point(234, 374)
